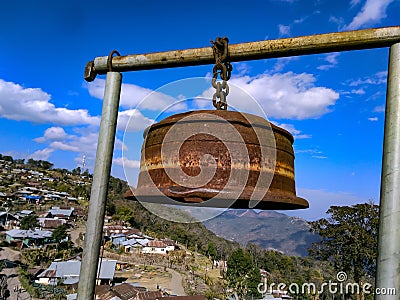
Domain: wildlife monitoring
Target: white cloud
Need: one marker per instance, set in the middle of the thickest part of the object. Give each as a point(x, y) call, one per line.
point(301, 20)
point(338, 21)
point(382, 75)
point(331, 58)
point(43, 154)
point(133, 95)
point(62, 146)
point(33, 104)
point(309, 151)
point(354, 92)
point(354, 2)
point(373, 119)
point(127, 163)
point(380, 108)
point(295, 132)
point(376, 79)
point(284, 30)
point(358, 92)
point(132, 120)
point(52, 133)
point(239, 67)
point(83, 141)
point(371, 13)
point(282, 62)
point(281, 96)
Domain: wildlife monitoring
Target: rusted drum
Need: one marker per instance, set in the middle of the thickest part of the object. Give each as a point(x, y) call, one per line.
point(217, 158)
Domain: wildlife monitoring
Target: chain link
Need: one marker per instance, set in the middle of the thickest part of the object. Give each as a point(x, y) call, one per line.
point(224, 69)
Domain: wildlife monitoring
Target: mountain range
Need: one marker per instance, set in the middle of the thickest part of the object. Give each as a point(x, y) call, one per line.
point(267, 229)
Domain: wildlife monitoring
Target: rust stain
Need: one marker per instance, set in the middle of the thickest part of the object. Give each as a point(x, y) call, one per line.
point(228, 171)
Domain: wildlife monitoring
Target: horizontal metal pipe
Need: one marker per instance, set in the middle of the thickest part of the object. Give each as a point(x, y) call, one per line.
point(314, 44)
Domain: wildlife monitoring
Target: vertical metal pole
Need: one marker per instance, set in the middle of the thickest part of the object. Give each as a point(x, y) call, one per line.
point(388, 263)
point(95, 221)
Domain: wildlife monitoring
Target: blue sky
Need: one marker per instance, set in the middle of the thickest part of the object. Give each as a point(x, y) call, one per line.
point(332, 103)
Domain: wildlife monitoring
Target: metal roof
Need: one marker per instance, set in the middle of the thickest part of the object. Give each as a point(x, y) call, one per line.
point(130, 242)
point(39, 234)
point(59, 211)
point(16, 233)
point(71, 280)
point(156, 244)
point(71, 268)
point(33, 234)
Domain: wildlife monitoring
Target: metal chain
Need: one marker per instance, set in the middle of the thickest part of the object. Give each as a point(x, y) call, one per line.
point(224, 69)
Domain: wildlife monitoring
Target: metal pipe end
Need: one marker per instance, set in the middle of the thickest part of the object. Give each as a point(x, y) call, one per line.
point(90, 72)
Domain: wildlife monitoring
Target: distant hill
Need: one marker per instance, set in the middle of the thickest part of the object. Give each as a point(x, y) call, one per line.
point(267, 229)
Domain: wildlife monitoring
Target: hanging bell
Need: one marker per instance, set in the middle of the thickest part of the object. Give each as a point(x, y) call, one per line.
point(218, 158)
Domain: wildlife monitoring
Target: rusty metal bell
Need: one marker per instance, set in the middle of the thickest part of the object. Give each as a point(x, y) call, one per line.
point(218, 158)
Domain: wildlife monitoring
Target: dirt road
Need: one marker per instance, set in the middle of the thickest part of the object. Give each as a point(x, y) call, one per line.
point(14, 285)
point(175, 285)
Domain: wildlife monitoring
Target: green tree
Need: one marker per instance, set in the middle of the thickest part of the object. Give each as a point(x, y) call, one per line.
point(86, 173)
point(63, 187)
point(349, 239)
point(242, 276)
point(8, 158)
point(111, 209)
point(76, 171)
point(29, 222)
point(60, 233)
point(45, 164)
point(211, 251)
point(20, 161)
point(31, 162)
point(126, 214)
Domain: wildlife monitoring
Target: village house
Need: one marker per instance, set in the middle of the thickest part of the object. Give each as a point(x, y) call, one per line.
point(134, 245)
point(52, 197)
point(126, 291)
point(221, 264)
point(117, 238)
point(7, 219)
point(24, 213)
point(29, 238)
point(22, 193)
point(33, 199)
point(60, 213)
point(78, 214)
point(67, 273)
point(170, 245)
point(72, 200)
point(5, 196)
point(115, 229)
point(155, 247)
point(50, 223)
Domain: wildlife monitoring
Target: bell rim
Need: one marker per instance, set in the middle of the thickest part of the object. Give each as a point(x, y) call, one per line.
point(272, 200)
